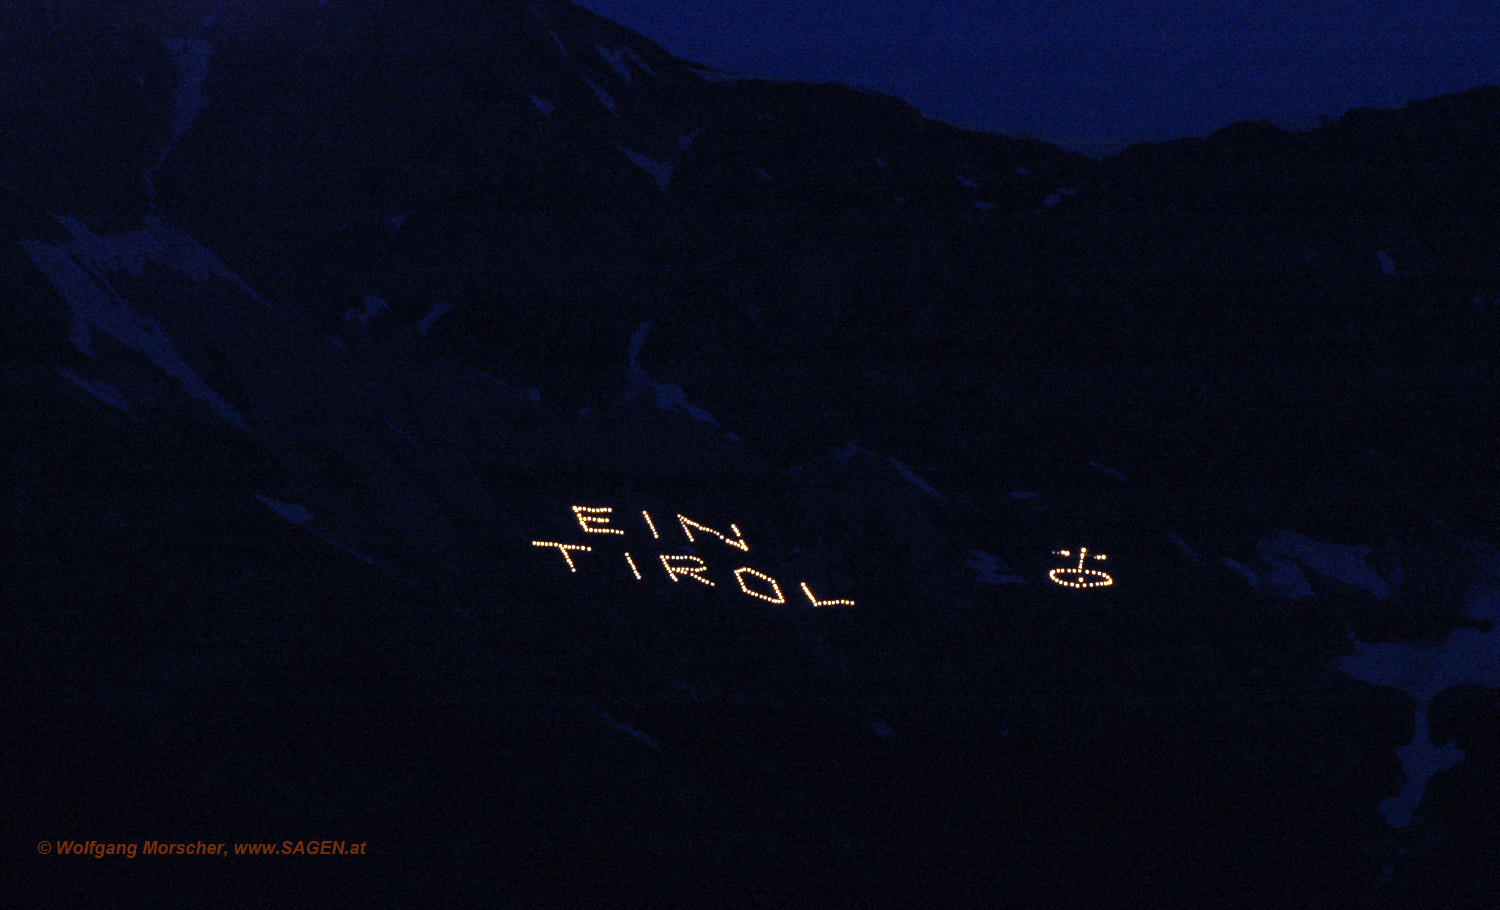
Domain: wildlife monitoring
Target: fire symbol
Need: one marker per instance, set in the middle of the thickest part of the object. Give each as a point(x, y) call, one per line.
point(1080, 577)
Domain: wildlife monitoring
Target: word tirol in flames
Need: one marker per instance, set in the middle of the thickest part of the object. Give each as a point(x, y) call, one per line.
point(596, 520)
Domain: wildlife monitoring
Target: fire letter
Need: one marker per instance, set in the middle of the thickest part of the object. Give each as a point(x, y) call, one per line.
point(692, 571)
point(602, 519)
point(739, 540)
point(824, 603)
point(739, 576)
point(564, 548)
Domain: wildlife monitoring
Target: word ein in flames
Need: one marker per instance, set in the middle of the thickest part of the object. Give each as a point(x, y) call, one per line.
point(595, 520)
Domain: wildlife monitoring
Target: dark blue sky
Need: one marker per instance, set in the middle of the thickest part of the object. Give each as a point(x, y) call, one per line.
point(1080, 72)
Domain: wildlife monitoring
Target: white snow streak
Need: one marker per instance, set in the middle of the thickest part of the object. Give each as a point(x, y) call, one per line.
point(668, 397)
point(1056, 197)
point(602, 95)
point(636, 59)
point(1344, 562)
point(1387, 264)
point(632, 731)
point(543, 105)
point(292, 512)
point(989, 570)
point(1107, 470)
point(616, 60)
point(158, 242)
point(1282, 575)
point(373, 305)
point(850, 449)
point(913, 479)
point(1190, 551)
point(100, 390)
point(437, 311)
point(191, 56)
point(399, 432)
point(95, 304)
point(660, 171)
point(1420, 760)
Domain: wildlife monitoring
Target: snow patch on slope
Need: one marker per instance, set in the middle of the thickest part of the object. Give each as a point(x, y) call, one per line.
point(850, 449)
point(1466, 656)
point(989, 570)
point(100, 390)
point(438, 310)
point(1057, 197)
point(1344, 562)
point(636, 59)
point(373, 305)
point(96, 306)
point(668, 397)
point(1387, 264)
point(616, 59)
point(543, 105)
point(631, 731)
point(602, 95)
point(660, 171)
point(158, 242)
point(191, 56)
point(1192, 552)
point(1284, 557)
point(300, 516)
point(913, 479)
point(292, 512)
point(1281, 577)
point(1104, 469)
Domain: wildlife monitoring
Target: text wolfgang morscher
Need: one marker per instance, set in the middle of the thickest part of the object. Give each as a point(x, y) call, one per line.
point(100, 849)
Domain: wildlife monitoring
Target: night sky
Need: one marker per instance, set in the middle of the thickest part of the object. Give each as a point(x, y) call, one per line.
point(1088, 74)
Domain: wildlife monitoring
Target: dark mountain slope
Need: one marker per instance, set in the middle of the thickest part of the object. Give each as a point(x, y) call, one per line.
point(318, 315)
